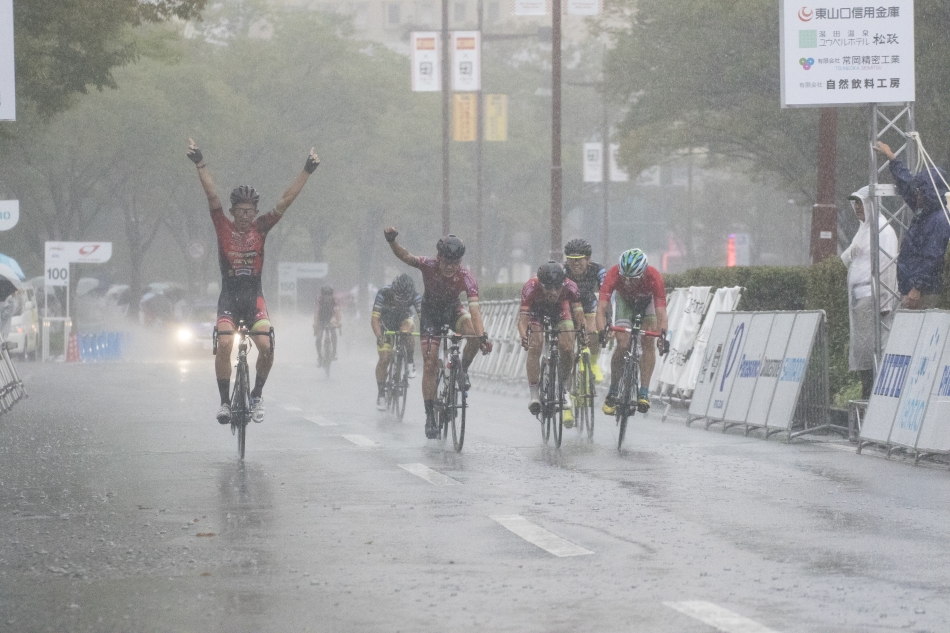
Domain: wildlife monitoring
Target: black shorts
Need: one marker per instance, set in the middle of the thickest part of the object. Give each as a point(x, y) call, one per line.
point(392, 320)
point(242, 303)
point(434, 317)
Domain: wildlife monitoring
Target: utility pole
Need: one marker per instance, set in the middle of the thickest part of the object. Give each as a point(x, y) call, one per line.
point(446, 116)
point(605, 135)
point(824, 215)
point(479, 137)
point(556, 130)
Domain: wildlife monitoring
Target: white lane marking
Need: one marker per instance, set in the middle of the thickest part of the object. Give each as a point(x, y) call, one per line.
point(537, 535)
point(432, 476)
point(290, 408)
point(361, 440)
point(715, 616)
point(321, 421)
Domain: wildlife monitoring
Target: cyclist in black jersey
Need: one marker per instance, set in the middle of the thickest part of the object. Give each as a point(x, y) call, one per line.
point(588, 276)
point(392, 311)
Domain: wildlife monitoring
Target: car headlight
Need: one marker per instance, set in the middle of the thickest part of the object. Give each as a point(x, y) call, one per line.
point(185, 335)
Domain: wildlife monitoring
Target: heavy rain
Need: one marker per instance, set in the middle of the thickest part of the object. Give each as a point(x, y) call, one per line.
point(474, 315)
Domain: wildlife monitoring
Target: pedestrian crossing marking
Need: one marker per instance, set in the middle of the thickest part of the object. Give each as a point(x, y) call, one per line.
point(722, 619)
point(537, 535)
point(432, 476)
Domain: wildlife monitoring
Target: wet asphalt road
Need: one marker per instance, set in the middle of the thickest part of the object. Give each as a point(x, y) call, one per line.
point(123, 507)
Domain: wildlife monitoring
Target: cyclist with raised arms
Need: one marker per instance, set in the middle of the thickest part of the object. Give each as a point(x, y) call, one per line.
point(551, 294)
point(589, 277)
point(444, 279)
point(241, 259)
point(392, 311)
point(639, 289)
point(326, 316)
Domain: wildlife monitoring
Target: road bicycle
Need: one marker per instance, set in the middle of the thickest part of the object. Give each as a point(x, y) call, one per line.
point(628, 384)
point(397, 376)
point(326, 344)
point(241, 394)
point(551, 386)
point(584, 392)
point(451, 399)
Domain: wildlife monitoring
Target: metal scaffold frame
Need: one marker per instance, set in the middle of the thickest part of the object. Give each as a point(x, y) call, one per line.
point(887, 118)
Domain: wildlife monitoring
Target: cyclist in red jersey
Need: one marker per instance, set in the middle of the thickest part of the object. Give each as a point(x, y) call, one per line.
point(444, 280)
point(550, 294)
point(640, 290)
point(241, 259)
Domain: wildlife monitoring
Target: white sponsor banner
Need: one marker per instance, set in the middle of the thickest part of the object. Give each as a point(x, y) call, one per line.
point(7, 70)
point(920, 379)
point(531, 7)
point(892, 377)
point(771, 369)
point(836, 54)
point(935, 431)
point(750, 366)
point(709, 367)
point(289, 272)
point(583, 7)
point(729, 367)
point(675, 304)
point(616, 173)
point(593, 162)
point(466, 61)
point(724, 300)
point(683, 337)
point(792, 375)
point(9, 214)
point(426, 63)
point(79, 252)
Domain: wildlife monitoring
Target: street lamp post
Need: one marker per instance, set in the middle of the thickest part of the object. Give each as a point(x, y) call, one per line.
point(556, 172)
point(446, 121)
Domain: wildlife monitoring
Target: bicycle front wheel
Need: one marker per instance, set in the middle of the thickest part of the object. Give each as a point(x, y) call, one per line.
point(327, 351)
point(545, 403)
point(458, 419)
point(627, 403)
point(241, 405)
point(584, 397)
point(557, 415)
point(445, 408)
point(400, 386)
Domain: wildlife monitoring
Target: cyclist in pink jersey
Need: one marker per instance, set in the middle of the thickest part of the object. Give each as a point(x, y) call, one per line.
point(241, 259)
point(444, 279)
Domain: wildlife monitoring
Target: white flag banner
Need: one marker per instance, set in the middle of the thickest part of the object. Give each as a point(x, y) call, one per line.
point(426, 64)
point(593, 162)
point(466, 61)
point(531, 7)
point(7, 83)
point(724, 300)
point(583, 7)
point(616, 173)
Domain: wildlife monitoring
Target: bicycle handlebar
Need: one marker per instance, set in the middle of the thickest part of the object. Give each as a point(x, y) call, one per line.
point(618, 328)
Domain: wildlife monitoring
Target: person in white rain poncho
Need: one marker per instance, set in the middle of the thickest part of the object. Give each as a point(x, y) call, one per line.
point(857, 257)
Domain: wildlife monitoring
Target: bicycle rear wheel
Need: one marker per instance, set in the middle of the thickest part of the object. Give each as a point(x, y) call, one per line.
point(327, 350)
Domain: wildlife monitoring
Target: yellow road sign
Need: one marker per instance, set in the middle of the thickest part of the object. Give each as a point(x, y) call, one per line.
point(496, 117)
point(464, 113)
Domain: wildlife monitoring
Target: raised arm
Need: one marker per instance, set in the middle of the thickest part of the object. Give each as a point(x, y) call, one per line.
point(398, 250)
point(297, 185)
point(204, 174)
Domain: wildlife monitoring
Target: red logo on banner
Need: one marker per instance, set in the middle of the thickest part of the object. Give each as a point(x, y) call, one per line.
point(805, 14)
point(88, 249)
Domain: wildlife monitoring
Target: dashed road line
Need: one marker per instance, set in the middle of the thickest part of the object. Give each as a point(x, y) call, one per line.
point(718, 617)
point(432, 476)
point(361, 440)
point(537, 535)
point(320, 421)
point(290, 408)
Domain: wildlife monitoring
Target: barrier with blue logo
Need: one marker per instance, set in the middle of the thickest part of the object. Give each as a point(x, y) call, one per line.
point(100, 346)
point(765, 370)
point(909, 408)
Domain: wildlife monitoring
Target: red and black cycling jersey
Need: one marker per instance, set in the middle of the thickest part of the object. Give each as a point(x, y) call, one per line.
point(241, 255)
point(533, 300)
point(441, 290)
point(649, 285)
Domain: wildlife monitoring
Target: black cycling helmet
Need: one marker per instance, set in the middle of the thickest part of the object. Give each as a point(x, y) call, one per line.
point(403, 286)
point(326, 290)
point(244, 194)
point(551, 275)
point(578, 247)
point(450, 247)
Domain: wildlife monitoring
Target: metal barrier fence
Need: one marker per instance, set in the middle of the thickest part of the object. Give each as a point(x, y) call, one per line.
point(11, 387)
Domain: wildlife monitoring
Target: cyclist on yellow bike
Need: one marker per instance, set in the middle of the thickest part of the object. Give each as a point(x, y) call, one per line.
point(588, 276)
point(636, 283)
point(551, 294)
point(392, 311)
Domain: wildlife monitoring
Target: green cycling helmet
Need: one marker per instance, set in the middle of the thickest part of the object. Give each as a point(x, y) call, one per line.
point(633, 263)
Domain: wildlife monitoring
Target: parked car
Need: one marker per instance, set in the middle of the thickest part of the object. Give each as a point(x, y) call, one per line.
point(23, 338)
point(193, 333)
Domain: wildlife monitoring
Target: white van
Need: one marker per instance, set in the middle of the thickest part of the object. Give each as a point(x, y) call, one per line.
point(23, 339)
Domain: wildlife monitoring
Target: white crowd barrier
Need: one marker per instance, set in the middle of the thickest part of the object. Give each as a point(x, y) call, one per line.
point(11, 387)
point(765, 370)
point(685, 308)
point(909, 408)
